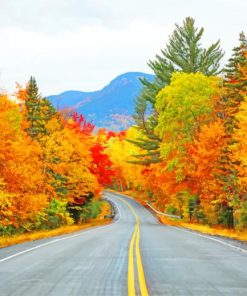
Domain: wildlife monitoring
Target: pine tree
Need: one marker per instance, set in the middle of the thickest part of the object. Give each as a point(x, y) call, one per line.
point(235, 84)
point(183, 53)
point(39, 110)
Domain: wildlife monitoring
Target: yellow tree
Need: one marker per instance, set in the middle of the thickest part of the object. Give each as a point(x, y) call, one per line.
point(239, 158)
point(68, 161)
point(120, 151)
point(20, 166)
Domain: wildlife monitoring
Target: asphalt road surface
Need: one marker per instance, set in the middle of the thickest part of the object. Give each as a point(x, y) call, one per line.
point(135, 255)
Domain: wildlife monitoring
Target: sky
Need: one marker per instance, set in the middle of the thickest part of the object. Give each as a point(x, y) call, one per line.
point(84, 44)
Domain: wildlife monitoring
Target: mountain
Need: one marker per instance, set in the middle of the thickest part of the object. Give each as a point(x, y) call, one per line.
point(111, 107)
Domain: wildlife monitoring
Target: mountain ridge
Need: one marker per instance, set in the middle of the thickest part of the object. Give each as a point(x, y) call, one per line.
point(110, 107)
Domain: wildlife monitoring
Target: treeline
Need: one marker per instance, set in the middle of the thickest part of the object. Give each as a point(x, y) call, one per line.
point(188, 149)
point(52, 169)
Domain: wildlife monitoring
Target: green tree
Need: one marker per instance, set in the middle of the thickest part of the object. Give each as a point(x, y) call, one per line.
point(235, 82)
point(184, 106)
point(183, 53)
point(39, 110)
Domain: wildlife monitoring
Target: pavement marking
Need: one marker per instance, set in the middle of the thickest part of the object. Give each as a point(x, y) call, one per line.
point(131, 266)
point(141, 275)
point(135, 239)
point(204, 236)
point(58, 240)
point(211, 238)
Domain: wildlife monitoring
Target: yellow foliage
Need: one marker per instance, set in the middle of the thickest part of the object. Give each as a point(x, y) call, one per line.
point(120, 152)
point(239, 149)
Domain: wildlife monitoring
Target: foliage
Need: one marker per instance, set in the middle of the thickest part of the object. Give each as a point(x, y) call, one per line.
point(183, 53)
point(193, 144)
point(48, 165)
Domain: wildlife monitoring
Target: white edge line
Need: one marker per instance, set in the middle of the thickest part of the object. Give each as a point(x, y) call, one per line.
point(152, 215)
point(202, 235)
point(64, 238)
point(211, 238)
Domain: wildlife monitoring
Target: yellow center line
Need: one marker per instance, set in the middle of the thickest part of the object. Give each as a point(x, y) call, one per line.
point(131, 268)
point(141, 275)
point(135, 239)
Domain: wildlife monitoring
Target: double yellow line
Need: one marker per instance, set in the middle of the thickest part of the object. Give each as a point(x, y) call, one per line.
point(135, 245)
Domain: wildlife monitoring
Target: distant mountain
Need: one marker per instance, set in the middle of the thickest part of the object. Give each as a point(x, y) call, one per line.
point(110, 107)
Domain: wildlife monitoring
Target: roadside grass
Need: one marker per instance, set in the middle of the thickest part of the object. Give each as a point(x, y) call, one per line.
point(205, 229)
point(21, 238)
point(215, 231)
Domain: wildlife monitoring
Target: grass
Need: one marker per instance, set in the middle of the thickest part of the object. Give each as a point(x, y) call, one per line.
point(219, 231)
point(13, 240)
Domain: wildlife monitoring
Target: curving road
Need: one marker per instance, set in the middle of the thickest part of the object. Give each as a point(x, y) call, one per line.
point(135, 255)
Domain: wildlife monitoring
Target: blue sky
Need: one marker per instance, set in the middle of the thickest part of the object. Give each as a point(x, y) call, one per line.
point(83, 44)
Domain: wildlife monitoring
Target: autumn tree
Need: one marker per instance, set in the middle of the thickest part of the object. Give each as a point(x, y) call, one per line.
point(21, 170)
point(239, 159)
point(235, 91)
point(126, 174)
point(203, 168)
point(68, 164)
point(183, 106)
point(183, 53)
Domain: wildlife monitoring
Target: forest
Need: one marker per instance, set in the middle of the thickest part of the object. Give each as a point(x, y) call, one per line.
point(186, 152)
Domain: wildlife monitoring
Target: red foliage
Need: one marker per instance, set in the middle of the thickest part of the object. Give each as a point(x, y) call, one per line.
point(80, 124)
point(101, 168)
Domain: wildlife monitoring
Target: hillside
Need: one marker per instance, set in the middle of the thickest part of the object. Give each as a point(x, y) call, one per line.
point(110, 107)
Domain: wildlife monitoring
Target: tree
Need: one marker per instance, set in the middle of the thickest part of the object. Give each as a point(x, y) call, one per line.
point(203, 168)
point(38, 110)
point(238, 157)
point(22, 178)
point(126, 174)
point(183, 106)
point(235, 82)
point(101, 164)
point(183, 53)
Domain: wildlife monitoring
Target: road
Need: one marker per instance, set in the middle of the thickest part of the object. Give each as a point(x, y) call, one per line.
point(135, 255)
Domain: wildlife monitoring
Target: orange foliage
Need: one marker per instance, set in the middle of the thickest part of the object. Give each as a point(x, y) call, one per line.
point(20, 167)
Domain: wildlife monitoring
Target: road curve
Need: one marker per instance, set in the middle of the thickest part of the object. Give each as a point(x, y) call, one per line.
point(135, 255)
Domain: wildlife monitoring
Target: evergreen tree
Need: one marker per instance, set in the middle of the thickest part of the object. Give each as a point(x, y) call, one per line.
point(39, 110)
point(235, 84)
point(183, 53)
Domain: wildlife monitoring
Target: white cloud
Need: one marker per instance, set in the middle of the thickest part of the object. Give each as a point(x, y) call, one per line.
point(83, 44)
point(87, 58)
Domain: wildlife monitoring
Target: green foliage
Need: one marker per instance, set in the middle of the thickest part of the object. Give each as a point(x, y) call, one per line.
point(8, 230)
point(94, 209)
point(39, 111)
point(81, 213)
point(183, 104)
point(183, 53)
point(58, 182)
point(225, 216)
point(171, 209)
point(235, 82)
point(55, 215)
point(243, 216)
